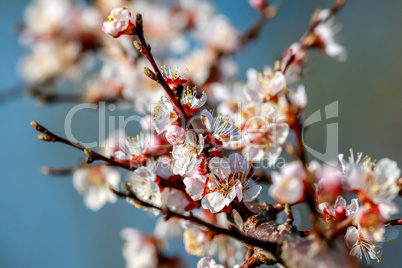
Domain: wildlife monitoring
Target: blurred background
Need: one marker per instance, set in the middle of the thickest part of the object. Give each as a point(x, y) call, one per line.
point(44, 222)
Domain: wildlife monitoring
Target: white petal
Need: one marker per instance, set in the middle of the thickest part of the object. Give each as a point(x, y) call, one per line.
point(95, 198)
point(351, 237)
point(340, 202)
point(195, 186)
point(220, 167)
point(213, 201)
point(252, 191)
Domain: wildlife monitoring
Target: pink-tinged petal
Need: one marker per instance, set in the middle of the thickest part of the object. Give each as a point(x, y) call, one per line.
point(340, 202)
point(294, 169)
point(252, 191)
point(351, 237)
point(213, 201)
point(195, 186)
point(220, 167)
point(175, 135)
point(289, 190)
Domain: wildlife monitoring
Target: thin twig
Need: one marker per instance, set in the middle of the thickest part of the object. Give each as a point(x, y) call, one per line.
point(93, 156)
point(147, 52)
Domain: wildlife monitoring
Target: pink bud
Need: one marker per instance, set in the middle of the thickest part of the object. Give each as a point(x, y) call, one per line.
point(258, 4)
point(119, 23)
point(175, 135)
point(340, 212)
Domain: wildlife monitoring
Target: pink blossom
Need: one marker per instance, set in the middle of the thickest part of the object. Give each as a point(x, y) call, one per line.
point(119, 23)
point(175, 135)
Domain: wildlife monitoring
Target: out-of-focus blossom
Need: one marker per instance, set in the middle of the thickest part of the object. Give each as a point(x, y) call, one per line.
point(325, 34)
point(195, 241)
point(208, 262)
point(218, 33)
point(339, 209)
point(145, 187)
point(139, 251)
point(258, 4)
point(94, 183)
point(288, 186)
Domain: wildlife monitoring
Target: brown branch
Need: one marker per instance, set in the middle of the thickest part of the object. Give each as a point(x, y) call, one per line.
point(94, 156)
point(294, 249)
point(233, 232)
point(251, 262)
point(57, 171)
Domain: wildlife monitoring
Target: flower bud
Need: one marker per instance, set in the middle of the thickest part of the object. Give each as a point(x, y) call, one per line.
point(258, 4)
point(175, 135)
point(150, 74)
point(119, 23)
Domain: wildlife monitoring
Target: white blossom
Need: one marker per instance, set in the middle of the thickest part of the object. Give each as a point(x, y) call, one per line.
point(145, 187)
point(208, 262)
point(288, 186)
point(360, 245)
point(94, 183)
point(222, 128)
point(185, 156)
point(224, 187)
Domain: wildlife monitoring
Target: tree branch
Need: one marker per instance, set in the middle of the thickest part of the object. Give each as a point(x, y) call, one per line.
point(233, 232)
point(93, 156)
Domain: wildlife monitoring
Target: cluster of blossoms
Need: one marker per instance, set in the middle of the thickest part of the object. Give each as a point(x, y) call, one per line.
point(194, 160)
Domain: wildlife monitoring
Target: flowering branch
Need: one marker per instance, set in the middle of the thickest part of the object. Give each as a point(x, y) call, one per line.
point(233, 232)
point(94, 156)
point(145, 48)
